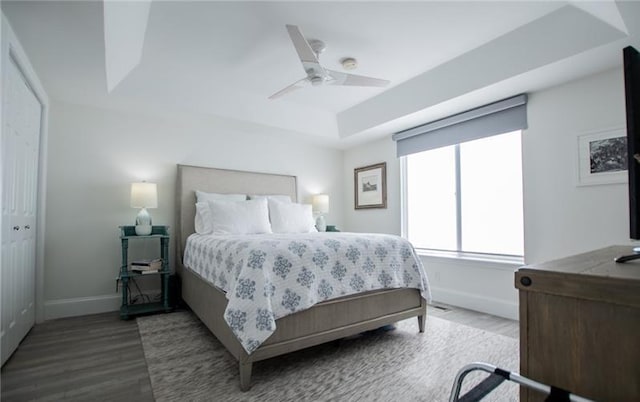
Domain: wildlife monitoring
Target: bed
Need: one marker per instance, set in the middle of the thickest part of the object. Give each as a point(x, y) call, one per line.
point(326, 321)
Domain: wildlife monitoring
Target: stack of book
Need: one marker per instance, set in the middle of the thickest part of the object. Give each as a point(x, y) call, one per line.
point(146, 266)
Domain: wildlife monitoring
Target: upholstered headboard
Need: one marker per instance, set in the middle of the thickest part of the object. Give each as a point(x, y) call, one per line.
point(212, 180)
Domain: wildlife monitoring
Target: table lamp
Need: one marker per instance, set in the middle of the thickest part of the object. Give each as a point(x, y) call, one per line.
point(144, 195)
point(321, 206)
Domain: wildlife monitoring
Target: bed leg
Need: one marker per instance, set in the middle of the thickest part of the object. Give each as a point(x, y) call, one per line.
point(421, 320)
point(245, 375)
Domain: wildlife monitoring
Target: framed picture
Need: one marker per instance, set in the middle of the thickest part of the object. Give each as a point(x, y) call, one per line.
point(370, 189)
point(602, 157)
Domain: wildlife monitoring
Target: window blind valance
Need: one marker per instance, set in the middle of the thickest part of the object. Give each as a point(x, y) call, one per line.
point(496, 118)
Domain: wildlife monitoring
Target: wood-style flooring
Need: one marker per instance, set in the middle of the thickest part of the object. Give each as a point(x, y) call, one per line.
point(100, 357)
point(89, 358)
point(487, 322)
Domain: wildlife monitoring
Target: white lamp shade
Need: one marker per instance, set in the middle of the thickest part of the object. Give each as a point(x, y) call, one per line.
point(144, 195)
point(321, 203)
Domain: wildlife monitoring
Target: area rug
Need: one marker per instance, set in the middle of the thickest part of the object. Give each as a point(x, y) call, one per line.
point(187, 363)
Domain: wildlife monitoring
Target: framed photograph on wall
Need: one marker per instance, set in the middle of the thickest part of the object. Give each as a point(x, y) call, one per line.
point(602, 157)
point(370, 189)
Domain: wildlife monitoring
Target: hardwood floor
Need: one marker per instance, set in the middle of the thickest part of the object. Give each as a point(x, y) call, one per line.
point(100, 357)
point(89, 358)
point(475, 319)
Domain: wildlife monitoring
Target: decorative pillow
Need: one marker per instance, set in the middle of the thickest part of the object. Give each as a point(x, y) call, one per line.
point(291, 217)
point(276, 197)
point(203, 215)
point(240, 217)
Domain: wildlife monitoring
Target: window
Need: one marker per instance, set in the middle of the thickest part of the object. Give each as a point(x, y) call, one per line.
point(467, 197)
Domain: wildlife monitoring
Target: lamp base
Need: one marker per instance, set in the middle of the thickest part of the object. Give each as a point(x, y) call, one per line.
point(143, 223)
point(143, 230)
point(321, 225)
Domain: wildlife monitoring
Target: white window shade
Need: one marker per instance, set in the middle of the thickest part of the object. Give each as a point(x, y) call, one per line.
point(496, 118)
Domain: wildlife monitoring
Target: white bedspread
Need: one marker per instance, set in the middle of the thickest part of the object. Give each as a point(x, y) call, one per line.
point(267, 277)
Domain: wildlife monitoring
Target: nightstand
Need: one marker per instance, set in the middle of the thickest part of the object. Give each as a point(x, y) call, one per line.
point(332, 228)
point(127, 310)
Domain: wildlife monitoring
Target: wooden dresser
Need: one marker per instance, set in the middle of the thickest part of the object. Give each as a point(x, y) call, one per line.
point(580, 325)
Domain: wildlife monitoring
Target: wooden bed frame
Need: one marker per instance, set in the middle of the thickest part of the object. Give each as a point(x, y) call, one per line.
point(326, 321)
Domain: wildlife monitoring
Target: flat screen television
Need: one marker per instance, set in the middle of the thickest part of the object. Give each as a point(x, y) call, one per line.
point(632, 103)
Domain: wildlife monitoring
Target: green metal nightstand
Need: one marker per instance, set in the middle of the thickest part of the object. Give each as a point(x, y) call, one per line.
point(129, 233)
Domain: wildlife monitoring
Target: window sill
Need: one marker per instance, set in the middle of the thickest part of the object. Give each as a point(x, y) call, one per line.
point(456, 255)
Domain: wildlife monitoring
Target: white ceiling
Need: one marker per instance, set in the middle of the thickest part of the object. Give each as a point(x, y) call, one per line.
point(226, 58)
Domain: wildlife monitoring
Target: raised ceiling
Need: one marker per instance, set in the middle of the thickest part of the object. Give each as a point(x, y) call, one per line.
point(226, 58)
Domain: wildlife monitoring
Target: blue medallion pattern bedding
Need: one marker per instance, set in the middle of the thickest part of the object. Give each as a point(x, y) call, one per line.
point(267, 277)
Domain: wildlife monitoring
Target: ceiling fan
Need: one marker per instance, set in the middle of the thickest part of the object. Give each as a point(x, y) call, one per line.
point(309, 51)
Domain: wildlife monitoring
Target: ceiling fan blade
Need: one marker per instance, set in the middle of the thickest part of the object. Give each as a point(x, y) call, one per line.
point(340, 78)
point(308, 57)
point(305, 52)
point(296, 85)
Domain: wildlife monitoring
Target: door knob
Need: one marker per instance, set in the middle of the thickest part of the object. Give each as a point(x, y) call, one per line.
point(16, 228)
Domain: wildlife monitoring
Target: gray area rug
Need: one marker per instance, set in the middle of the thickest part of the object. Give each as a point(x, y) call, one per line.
point(187, 363)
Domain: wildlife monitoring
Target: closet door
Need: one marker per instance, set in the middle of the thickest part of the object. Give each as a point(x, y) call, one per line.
point(20, 153)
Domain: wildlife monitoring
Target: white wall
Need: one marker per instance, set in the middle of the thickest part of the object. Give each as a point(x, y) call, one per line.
point(373, 220)
point(560, 218)
point(94, 155)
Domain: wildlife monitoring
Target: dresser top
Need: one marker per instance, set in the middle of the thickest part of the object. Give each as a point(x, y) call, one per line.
point(593, 276)
point(599, 263)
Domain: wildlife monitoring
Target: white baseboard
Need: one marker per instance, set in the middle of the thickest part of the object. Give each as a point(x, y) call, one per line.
point(81, 306)
point(488, 305)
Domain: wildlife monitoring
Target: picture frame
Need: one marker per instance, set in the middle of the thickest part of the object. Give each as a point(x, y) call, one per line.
point(370, 186)
point(602, 157)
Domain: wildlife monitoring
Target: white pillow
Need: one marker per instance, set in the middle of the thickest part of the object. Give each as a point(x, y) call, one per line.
point(291, 217)
point(203, 216)
point(276, 197)
point(240, 217)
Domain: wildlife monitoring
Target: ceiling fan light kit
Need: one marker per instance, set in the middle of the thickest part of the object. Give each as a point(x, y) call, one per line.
point(308, 52)
point(317, 46)
point(349, 63)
